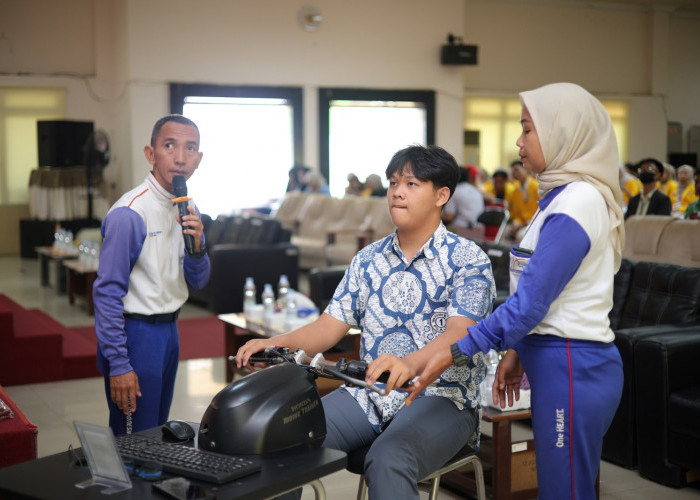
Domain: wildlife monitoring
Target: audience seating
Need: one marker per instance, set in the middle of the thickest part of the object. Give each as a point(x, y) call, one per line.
point(661, 299)
point(661, 238)
point(242, 246)
point(495, 221)
point(668, 405)
point(330, 231)
point(289, 208)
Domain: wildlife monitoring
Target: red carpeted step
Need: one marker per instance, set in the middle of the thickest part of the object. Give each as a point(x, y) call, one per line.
point(78, 352)
point(10, 304)
point(33, 353)
point(6, 323)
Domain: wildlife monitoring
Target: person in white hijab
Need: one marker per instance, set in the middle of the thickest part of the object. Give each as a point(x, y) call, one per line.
point(555, 324)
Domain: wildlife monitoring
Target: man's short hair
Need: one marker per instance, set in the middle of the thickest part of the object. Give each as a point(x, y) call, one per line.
point(516, 162)
point(500, 173)
point(170, 118)
point(659, 166)
point(427, 163)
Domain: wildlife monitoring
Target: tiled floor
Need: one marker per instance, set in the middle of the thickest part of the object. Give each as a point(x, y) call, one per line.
point(54, 406)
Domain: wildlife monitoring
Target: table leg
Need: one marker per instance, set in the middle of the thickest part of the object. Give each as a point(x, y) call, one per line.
point(44, 269)
point(72, 284)
point(500, 477)
point(61, 278)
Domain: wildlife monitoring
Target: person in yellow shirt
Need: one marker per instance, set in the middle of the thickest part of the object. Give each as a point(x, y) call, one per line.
point(629, 184)
point(522, 202)
point(686, 188)
point(667, 184)
point(498, 189)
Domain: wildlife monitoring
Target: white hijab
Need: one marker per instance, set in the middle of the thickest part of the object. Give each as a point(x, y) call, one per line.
point(578, 143)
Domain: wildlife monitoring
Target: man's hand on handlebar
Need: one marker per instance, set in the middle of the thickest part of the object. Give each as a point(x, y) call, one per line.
point(249, 349)
point(400, 371)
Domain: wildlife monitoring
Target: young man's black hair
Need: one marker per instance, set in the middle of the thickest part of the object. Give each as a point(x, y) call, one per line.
point(427, 163)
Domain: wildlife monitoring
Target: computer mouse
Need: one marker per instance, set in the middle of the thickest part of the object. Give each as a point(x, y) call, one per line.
point(178, 430)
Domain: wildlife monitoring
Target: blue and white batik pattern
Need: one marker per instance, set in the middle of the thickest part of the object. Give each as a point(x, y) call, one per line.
point(401, 305)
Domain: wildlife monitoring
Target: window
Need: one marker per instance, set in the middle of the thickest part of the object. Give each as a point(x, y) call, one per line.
point(20, 108)
point(250, 137)
point(495, 123)
point(360, 130)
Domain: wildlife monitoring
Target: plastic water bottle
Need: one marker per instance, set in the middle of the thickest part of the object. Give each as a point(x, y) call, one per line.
point(94, 253)
point(487, 383)
point(249, 292)
point(291, 309)
point(282, 291)
point(268, 300)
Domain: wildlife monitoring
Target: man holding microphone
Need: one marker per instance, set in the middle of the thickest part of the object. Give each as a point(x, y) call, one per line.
point(142, 281)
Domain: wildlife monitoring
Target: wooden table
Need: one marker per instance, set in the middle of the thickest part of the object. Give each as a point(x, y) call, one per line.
point(81, 277)
point(510, 471)
point(48, 254)
point(238, 331)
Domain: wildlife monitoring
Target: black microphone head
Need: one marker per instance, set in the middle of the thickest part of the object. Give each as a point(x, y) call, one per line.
point(180, 186)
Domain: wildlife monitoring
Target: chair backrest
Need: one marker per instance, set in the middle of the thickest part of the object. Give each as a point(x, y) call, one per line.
point(215, 231)
point(499, 255)
point(236, 228)
point(378, 219)
point(316, 214)
point(289, 208)
point(680, 243)
point(662, 294)
point(494, 221)
point(353, 212)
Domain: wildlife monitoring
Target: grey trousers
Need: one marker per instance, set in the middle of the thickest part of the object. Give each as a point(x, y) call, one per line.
point(418, 441)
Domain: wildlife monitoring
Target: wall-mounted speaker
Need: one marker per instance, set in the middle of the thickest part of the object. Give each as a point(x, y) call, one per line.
point(60, 142)
point(456, 54)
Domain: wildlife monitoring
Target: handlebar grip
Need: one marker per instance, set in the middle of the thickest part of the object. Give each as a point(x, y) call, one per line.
point(358, 369)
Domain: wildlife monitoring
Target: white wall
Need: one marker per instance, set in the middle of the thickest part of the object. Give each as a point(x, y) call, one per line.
point(683, 101)
point(392, 44)
point(617, 53)
point(134, 48)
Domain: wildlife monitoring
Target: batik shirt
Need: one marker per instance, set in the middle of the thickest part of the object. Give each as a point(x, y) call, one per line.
point(400, 305)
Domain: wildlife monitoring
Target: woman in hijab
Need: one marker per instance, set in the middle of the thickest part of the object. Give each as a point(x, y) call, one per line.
point(686, 188)
point(555, 324)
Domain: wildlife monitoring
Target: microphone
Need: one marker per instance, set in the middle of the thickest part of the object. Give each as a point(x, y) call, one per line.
point(181, 199)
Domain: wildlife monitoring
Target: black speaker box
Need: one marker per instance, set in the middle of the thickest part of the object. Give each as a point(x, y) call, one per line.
point(453, 54)
point(61, 142)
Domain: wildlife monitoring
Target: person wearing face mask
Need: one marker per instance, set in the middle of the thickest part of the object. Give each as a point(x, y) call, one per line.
point(555, 324)
point(650, 201)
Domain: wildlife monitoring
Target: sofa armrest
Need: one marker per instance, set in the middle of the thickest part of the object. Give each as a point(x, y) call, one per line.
point(663, 364)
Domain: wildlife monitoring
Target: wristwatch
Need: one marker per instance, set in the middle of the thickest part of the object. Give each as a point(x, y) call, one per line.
point(458, 357)
point(202, 252)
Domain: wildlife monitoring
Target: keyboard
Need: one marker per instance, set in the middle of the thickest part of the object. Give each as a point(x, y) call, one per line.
point(186, 461)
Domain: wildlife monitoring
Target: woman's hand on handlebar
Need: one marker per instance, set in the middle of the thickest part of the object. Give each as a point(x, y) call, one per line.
point(251, 348)
point(400, 371)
